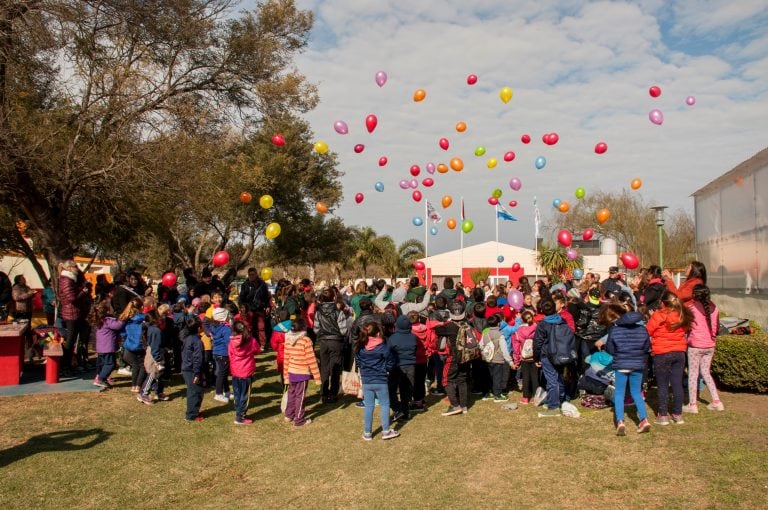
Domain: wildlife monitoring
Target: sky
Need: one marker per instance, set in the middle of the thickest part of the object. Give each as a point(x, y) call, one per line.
point(578, 69)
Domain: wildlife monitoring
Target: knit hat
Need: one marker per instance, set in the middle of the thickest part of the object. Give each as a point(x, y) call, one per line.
point(398, 295)
point(220, 314)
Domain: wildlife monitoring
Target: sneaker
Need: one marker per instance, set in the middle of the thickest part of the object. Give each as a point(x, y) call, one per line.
point(360, 405)
point(716, 406)
point(452, 410)
point(163, 397)
point(244, 421)
point(124, 371)
point(100, 384)
point(677, 419)
point(400, 416)
point(540, 396)
point(110, 381)
point(135, 389)
point(390, 434)
point(220, 398)
point(306, 422)
point(643, 426)
point(478, 393)
point(199, 417)
point(417, 407)
point(662, 420)
point(549, 413)
point(439, 393)
point(464, 410)
point(500, 398)
point(230, 396)
point(524, 401)
point(144, 399)
point(621, 430)
point(691, 408)
point(367, 436)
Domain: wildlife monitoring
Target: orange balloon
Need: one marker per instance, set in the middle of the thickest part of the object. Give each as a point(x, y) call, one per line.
point(447, 201)
point(636, 183)
point(564, 206)
point(457, 164)
point(603, 215)
point(245, 197)
point(461, 127)
point(321, 208)
point(451, 223)
point(442, 168)
point(419, 95)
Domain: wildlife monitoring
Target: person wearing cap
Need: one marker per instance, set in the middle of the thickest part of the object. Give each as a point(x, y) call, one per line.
point(73, 297)
point(220, 333)
point(612, 283)
point(455, 374)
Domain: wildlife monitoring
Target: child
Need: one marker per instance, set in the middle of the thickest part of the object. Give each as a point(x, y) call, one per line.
point(220, 333)
point(668, 327)
point(522, 347)
point(553, 374)
point(154, 360)
point(374, 361)
point(628, 342)
point(192, 368)
point(277, 340)
point(402, 345)
point(133, 346)
point(701, 348)
point(107, 327)
point(300, 365)
point(457, 370)
point(242, 349)
point(499, 362)
point(420, 369)
point(205, 313)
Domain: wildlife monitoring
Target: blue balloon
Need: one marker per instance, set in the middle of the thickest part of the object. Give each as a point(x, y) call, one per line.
point(433, 231)
point(541, 162)
point(379, 186)
point(417, 221)
point(578, 273)
point(556, 203)
point(500, 258)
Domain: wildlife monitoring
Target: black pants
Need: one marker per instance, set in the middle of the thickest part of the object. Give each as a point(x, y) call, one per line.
point(76, 337)
point(481, 379)
point(194, 395)
point(136, 360)
point(499, 373)
point(457, 387)
point(419, 380)
point(668, 368)
point(530, 373)
point(436, 368)
point(331, 354)
point(401, 379)
point(222, 374)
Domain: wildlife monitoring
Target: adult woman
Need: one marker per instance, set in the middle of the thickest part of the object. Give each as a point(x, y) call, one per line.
point(696, 274)
point(653, 289)
point(22, 297)
point(74, 300)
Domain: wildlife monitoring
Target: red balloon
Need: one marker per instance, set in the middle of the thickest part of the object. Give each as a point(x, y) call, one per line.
point(415, 170)
point(359, 197)
point(564, 237)
point(220, 258)
point(383, 161)
point(629, 260)
point(515, 267)
point(513, 203)
point(416, 196)
point(654, 91)
point(428, 182)
point(419, 265)
point(545, 138)
point(169, 279)
point(471, 79)
point(553, 138)
point(525, 139)
point(588, 233)
point(370, 122)
point(601, 147)
point(493, 200)
point(359, 148)
point(444, 144)
point(278, 140)
point(509, 156)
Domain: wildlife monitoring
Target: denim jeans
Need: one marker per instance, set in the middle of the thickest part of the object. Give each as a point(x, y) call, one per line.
point(635, 379)
point(241, 387)
point(371, 392)
point(106, 363)
point(555, 383)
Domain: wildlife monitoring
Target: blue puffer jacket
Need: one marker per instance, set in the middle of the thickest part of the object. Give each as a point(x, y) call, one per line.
point(133, 330)
point(628, 342)
point(374, 364)
point(220, 334)
point(402, 343)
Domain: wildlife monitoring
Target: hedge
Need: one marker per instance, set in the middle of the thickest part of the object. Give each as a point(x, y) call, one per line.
point(741, 362)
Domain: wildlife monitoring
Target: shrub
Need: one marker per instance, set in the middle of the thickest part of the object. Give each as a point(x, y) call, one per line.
point(741, 362)
point(480, 275)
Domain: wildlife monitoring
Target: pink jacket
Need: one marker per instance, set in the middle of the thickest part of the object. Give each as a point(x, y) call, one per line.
point(701, 337)
point(241, 356)
point(523, 333)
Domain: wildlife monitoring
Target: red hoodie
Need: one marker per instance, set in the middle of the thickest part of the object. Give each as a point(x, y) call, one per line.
point(568, 318)
point(421, 332)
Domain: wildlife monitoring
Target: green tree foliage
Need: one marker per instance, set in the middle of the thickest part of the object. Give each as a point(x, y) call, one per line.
point(554, 262)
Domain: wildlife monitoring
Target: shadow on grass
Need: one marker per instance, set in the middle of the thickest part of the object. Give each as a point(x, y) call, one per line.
point(63, 441)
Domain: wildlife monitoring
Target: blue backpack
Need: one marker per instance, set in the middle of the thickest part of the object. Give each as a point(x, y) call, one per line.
point(561, 346)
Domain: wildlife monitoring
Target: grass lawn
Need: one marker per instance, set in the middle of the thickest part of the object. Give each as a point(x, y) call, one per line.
point(107, 450)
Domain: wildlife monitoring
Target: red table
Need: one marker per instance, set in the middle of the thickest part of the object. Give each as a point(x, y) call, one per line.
point(11, 353)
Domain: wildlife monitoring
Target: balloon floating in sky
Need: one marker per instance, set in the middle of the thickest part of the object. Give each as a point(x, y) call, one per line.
point(428, 182)
point(654, 91)
point(379, 186)
point(500, 259)
point(444, 144)
point(451, 223)
point(418, 265)
point(430, 168)
point(580, 193)
point(690, 100)
point(563, 207)
point(515, 183)
point(220, 258)
point(457, 164)
point(381, 78)
point(446, 201)
point(246, 197)
point(515, 267)
point(266, 201)
point(273, 230)
point(509, 156)
point(416, 195)
point(471, 79)
point(383, 161)
point(513, 203)
point(588, 233)
point(550, 138)
point(505, 94)
point(371, 121)
point(656, 116)
point(321, 208)
point(541, 162)
point(415, 170)
point(496, 193)
point(636, 183)
point(467, 226)
point(413, 183)
point(359, 197)
point(278, 140)
point(479, 150)
point(433, 231)
point(603, 215)
point(461, 127)
point(404, 184)
point(491, 163)
point(417, 221)
point(419, 95)
point(578, 273)
point(564, 237)
point(442, 168)
point(629, 260)
point(266, 273)
point(321, 147)
point(571, 254)
point(169, 279)
point(556, 203)
point(493, 201)
point(601, 147)
point(525, 139)
point(341, 127)
point(359, 148)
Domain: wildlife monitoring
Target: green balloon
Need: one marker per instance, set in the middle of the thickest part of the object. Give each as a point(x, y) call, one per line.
point(480, 150)
point(580, 192)
point(467, 226)
point(496, 193)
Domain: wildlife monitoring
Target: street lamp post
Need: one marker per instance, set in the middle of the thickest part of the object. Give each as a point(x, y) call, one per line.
point(660, 225)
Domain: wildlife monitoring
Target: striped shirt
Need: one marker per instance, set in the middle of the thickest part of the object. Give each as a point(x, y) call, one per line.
point(299, 356)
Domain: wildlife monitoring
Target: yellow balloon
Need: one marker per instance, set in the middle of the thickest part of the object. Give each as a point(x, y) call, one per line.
point(266, 201)
point(273, 230)
point(492, 163)
point(505, 94)
point(266, 273)
point(321, 147)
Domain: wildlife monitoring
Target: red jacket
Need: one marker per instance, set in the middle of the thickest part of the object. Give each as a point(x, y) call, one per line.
point(568, 319)
point(421, 332)
point(685, 292)
point(664, 339)
point(505, 311)
point(72, 297)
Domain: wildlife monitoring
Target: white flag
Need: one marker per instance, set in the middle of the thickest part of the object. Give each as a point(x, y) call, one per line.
point(536, 217)
point(432, 213)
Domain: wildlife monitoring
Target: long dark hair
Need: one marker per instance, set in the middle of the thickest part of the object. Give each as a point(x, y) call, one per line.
point(671, 302)
point(369, 330)
point(701, 295)
point(99, 313)
point(698, 270)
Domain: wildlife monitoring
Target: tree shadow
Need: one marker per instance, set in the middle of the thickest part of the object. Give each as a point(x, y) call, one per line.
point(61, 441)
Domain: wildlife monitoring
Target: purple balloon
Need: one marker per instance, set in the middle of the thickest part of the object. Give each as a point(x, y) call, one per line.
point(515, 183)
point(656, 116)
point(431, 168)
point(515, 299)
point(341, 127)
point(381, 78)
point(414, 183)
point(571, 254)
point(690, 100)
point(404, 184)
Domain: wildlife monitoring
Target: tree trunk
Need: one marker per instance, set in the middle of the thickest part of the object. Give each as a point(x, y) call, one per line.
point(311, 272)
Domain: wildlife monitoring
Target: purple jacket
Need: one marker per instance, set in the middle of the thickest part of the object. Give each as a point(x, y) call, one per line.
point(106, 335)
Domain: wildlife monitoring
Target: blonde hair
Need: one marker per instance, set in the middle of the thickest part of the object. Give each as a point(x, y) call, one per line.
point(163, 309)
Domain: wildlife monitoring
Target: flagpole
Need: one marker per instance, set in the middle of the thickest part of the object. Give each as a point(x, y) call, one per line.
point(426, 226)
point(496, 213)
point(536, 238)
point(461, 269)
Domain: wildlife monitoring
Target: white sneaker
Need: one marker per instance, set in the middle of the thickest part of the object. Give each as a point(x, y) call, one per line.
point(230, 396)
point(221, 398)
point(124, 371)
point(712, 406)
point(691, 408)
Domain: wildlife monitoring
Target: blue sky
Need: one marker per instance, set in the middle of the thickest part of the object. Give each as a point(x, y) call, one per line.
point(581, 69)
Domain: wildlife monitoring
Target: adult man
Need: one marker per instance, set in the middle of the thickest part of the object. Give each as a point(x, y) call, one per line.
point(205, 287)
point(254, 299)
point(74, 300)
point(613, 282)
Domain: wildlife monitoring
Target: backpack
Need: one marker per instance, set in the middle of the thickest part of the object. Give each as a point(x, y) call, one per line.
point(488, 351)
point(561, 347)
point(527, 350)
point(467, 344)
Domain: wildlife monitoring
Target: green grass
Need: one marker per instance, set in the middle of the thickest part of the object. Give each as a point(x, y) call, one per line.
point(109, 451)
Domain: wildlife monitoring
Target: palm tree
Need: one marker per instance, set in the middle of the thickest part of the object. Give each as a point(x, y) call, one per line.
point(368, 248)
point(408, 252)
point(553, 260)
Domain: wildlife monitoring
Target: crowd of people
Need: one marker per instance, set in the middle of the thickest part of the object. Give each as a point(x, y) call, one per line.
point(590, 339)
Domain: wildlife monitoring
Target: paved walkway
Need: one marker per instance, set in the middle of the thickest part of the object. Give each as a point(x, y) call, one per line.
point(33, 381)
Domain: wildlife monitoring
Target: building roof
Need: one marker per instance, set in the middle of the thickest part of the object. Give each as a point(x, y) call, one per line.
point(743, 169)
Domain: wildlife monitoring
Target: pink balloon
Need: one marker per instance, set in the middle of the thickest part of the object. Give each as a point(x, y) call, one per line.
point(341, 127)
point(656, 116)
point(413, 183)
point(443, 144)
point(471, 79)
point(690, 100)
point(564, 237)
point(404, 184)
point(588, 233)
point(359, 197)
point(381, 78)
point(493, 200)
point(431, 168)
point(371, 122)
point(416, 195)
point(359, 148)
point(515, 183)
point(513, 203)
point(571, 254)
point(629, 260)
point(383, 161)
point(509, 156)
point(428, 182)
point(515, 298)
point(415, 170)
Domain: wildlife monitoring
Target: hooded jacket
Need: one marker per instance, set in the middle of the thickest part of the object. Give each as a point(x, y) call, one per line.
point(628, 342)
point(277, 340)
point(664, 339)
point(541, 336)
point(403, 343)
point(241, 352)
point(106, 335)
point(327, 322)
point(220, 334)
point(374, 364)
point(299, 357)
point(133, 330)
point(415, 294)
point(422, 333)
